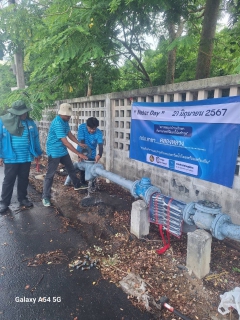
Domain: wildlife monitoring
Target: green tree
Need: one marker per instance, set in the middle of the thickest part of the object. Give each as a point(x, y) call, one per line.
point(226, 59)
point(7, 81)
point(95, 38)
point(74, 48)
point(211, 15)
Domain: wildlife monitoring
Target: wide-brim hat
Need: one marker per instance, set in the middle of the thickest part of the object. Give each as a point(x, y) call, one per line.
point(19, 108)
point(65, 109)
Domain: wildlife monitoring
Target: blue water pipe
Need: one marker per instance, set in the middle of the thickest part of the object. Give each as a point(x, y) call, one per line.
point(139, 188)
point(203, 214)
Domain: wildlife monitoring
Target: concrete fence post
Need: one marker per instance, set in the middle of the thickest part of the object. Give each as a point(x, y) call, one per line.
point(139, 219)
point(234, 91)
point(202, 94)
point(199, 252)
point(109, 134)
point(189, 96)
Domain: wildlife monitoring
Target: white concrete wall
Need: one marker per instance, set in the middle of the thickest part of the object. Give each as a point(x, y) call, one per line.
point(114, 113)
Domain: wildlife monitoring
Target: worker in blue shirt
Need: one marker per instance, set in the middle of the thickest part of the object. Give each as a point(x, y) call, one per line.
point(91, 136)
point(57, 151)
point(19, 145)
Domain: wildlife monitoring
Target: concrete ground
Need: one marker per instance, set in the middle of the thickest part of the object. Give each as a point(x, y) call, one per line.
point(51, 291)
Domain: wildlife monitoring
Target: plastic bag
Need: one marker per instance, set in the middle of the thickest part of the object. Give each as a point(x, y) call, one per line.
point(230, 299)
point(133, 285)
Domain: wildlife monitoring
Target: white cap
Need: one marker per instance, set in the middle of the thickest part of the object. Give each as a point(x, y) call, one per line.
point(65, 109)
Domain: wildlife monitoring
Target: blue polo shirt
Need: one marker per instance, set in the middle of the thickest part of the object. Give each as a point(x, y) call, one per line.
point(21, 146)
point(90, 139)
point(58, 129)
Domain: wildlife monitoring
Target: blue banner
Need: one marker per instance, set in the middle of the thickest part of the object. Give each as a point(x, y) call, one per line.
point(195, 138)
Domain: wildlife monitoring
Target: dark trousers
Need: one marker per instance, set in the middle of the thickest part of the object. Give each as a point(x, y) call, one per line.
point(11, 172)
point(51, 170)
point(82, 175)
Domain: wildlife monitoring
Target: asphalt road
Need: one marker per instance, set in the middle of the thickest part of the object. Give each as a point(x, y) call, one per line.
point(50, 291)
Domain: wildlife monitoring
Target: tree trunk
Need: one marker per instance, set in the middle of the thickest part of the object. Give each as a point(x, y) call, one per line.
point(207, 39)
point(90, 83)
point(172, 54)
point(18, 59)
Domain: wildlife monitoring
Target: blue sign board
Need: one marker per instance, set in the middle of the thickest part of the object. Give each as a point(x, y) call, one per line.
point(195, 138)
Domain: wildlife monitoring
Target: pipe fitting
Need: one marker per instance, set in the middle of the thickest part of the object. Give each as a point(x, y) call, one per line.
point(203, 220)
point(142, 186)
point(201, 213)
point(144, 189)
point(208, 207)
point(218, 226)
point(188, 213)
point(133, 189)
point(205, 213)
point(90, 168)
point(94, 168)
point(149, 192)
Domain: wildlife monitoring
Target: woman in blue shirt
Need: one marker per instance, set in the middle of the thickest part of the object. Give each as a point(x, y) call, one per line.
point(19, 145)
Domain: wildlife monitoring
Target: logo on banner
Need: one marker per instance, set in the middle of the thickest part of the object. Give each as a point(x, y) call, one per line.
point(151, 158)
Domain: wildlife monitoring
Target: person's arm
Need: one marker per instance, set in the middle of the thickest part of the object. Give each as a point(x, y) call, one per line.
point(100, 145)
point(1, 135)
point(71, 148)
point(81, 135)
point(74, 139)
point(36, 141)
point(100, 152)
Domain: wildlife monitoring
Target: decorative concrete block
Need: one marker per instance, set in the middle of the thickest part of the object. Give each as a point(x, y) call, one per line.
point(199, 252)
point(139, 219)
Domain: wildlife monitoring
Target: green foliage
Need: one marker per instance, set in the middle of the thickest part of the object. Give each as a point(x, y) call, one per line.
point(129, 78)
point(226, 58)
point(7, 81)
point(186, 58)
point(175, 10)
point(51, 115)
point(156, 63)
point(67, 52)
point(67, 41)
